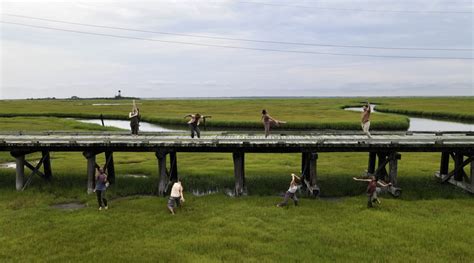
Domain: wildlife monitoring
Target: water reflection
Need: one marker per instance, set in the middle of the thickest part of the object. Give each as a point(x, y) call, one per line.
point(423, 124)
point(122, 124)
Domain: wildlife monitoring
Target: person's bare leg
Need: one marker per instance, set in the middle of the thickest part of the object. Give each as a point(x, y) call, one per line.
point(171, 210)
point(267, 129)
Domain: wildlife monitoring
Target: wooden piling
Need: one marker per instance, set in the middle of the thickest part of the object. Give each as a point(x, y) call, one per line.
point(472, 175)
point(48, 174)
point(313, 157)
point(91, 167)
point(305, 165)
point(239, 172)
point(444, 167)
point(163, 183)
point(371, 164)
point(173, 167)
point(20, 172)
point(109, 159)
point(393, 168)
point(382, 171)
point(458, 160)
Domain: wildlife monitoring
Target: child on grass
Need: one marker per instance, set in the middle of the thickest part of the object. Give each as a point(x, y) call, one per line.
point(100, 188)
point(176, 197)
point(291, 193)
point(372, 189)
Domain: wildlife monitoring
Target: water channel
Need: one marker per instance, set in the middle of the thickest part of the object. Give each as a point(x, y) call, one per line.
point(416, 124)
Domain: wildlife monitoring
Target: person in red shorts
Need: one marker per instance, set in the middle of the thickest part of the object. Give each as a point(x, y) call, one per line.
point(372, 189)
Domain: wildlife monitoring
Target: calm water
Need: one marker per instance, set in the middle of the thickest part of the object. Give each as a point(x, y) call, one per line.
point(144, 126)
point(416, 124)
point(422, 124)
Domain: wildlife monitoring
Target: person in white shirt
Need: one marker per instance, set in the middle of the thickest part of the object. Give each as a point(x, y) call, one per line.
point(291, 193)
point(176, 197)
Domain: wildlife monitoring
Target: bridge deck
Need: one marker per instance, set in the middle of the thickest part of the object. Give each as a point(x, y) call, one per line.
point(231, 143)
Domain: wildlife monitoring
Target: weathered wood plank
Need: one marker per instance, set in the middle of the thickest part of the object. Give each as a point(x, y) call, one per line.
point(91, 166)
point(162, 173)
point(173, 167)
point(109, 160)
point(48, 173)
point(444, 167)
point(372, 161)
point(239, 172)
point(20, 172)
point(393, 167)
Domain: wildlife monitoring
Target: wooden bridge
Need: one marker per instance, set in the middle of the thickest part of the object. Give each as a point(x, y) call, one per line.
point(383, 150)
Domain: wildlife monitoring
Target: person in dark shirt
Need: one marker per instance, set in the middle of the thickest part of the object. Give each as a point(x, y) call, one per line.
point(134, 117)
point(194, 123)
point(372, 189)
point(101, 184)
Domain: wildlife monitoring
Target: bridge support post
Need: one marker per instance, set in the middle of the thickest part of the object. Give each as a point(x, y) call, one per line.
point(381, 173)
point(309, 172)
point(91, 166)
point(384, 158)
point(457, 176)
point(21, 181)
point(304, 165)
point(20, 172)
point(372, 161)
point(393, 168)
point(472, 174)
point(162, 173)
point(173, 167)
point(109, 160)
point(48, 174)
point(444, 167)
point(239, 172)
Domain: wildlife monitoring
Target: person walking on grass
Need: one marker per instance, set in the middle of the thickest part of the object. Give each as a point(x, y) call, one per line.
point(372, 189)
point(291, 193)
point(134, 117)
point(101, 184)
point(365, 122)
point(176, 197)
point(194, 123)
point(268, 121)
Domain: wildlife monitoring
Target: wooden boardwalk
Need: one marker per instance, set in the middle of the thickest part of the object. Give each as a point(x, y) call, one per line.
point(383, 146)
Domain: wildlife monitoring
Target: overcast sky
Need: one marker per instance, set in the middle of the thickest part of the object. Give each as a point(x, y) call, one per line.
point(38, 62)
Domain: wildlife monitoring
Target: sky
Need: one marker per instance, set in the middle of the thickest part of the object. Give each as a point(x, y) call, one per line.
point(39, 62)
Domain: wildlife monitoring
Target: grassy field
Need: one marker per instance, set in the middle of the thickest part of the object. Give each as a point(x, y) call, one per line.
point(461, 108)
point(299, 113)
point(431, 222)
point(48, 123)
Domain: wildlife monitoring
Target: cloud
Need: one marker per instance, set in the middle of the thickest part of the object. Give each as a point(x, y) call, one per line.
point(40, 63)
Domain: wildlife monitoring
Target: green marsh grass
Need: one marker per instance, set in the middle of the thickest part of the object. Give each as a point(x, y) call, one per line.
point(226, 113)
point(431, 222)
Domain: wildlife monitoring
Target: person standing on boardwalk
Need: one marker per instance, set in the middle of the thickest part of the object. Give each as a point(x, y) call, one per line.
point(134, 117)
point(372, 189)
point(365, 122)
point(194, 123)
point(268, 121)
point(100, 188)
point(176, 197)
point(291, 193)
